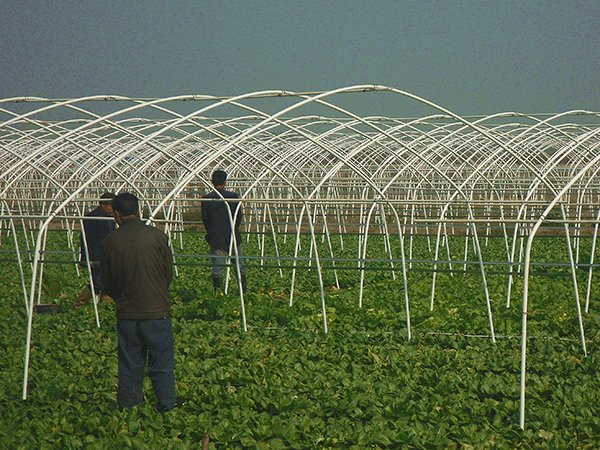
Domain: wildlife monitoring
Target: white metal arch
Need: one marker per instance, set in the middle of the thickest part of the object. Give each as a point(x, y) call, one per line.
point(440, 175)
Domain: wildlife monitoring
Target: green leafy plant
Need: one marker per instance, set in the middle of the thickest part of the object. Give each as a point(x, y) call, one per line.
point(287, 384)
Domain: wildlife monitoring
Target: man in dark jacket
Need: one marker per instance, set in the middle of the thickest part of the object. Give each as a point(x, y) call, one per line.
point(137, 268)
point(95, 230)
point(217, 222)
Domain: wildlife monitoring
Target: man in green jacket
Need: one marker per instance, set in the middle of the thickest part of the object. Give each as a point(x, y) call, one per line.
point(137, 268)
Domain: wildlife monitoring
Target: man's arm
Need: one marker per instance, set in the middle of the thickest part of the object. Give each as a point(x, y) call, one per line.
point(239, 212)
point(168, 261)
point(105, 272)
point(204, 211)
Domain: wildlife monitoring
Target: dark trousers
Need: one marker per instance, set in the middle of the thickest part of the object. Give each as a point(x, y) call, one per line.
point(219, 257)
point(142, 341)
point(96, 278)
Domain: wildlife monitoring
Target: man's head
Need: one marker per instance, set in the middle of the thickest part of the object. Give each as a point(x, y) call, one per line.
point(218, 178)
point(106, 203)
point(125, 205)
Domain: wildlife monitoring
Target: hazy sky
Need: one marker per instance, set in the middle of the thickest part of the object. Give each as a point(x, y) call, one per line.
point(472, 57)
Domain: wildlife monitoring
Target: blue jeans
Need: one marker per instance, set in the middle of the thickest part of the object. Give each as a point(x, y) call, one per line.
point(219, 261)
point(141, 341)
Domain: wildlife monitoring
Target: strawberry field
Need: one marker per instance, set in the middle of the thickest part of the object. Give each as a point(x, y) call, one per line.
point(285, 383)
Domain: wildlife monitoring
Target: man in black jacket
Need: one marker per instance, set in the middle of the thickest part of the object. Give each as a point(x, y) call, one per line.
point(95, 231)
point(217, 222)
point(137, 268)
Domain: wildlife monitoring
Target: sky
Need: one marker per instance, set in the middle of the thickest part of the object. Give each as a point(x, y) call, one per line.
point(469, 56)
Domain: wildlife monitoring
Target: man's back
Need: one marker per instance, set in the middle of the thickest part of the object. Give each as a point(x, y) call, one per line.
point(95, 232)
point(137, 268)
point(216, 218)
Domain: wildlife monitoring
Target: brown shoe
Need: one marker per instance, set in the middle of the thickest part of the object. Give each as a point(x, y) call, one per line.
point(83, 298)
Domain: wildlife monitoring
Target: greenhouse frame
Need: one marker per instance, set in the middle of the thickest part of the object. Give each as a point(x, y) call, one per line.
point(305, 167)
